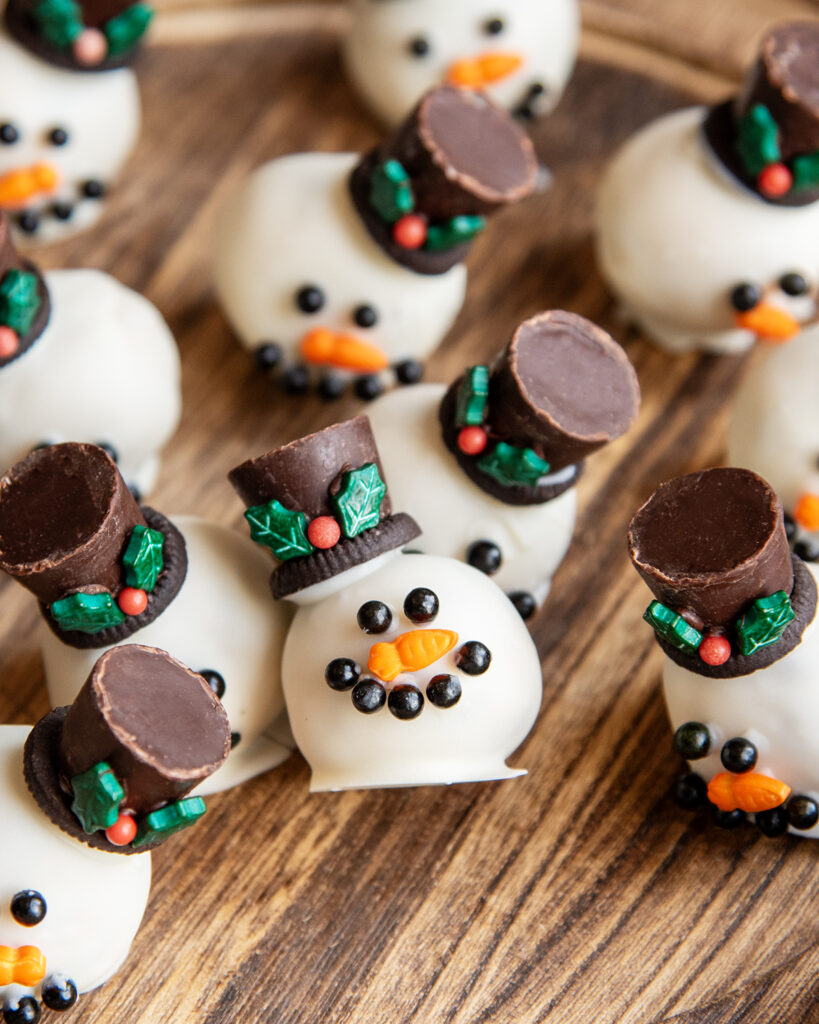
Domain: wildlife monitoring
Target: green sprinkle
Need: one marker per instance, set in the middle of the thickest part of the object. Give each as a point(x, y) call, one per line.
point(454, 232)
point(510, 465)
point(391, 192)
point(806, 172)
point(758, 139)
point(126, 29)
point(19, 300)
point(60, 21)
point(473, 394)
point(97, 796)
point(168, 820)
point(142, 560)
point(673, 628)
point(279, 529)
point(86, 613)
point(358, 503)
point(764, 622)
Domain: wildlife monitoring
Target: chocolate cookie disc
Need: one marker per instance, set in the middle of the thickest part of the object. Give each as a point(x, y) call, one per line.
point(11, 260)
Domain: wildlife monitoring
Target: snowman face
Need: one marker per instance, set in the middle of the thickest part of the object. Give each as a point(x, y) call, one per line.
point(68, 914)
point(420, 672)
point(295, 268)
point(519, 51)
point(693, 254)
point(63, 138)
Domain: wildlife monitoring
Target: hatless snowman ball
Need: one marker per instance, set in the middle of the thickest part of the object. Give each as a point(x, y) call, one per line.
point(708, 220)
point(68, 913)
point(521, 52)
point(64, 137)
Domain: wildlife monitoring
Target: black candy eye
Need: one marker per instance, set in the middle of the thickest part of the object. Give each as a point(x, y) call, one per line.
point(8, 134)
point(692, 741)
point(310, 298)
point(485, 556)
point(215, 680)
point(421, 605)
point(745, 296)
point(419, 46)
point(58, 136)
point(365, 316)
point(28, 907)
point(793, 284)
point(374, 617)
point(473, 658)
point(494, 26)
point(738, 755)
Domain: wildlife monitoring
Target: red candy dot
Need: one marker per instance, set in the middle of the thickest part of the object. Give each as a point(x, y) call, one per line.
point(122, 831)
point(715, 650)
point(472, 440)
point(9, 342)
point(132, 601)
point(410, 232)
point(324, 532)
point(775, 180)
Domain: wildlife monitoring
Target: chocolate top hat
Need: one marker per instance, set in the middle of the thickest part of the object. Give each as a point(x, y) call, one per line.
point(114, 768)
point(424, 193)
point(24, 303)
point(72, 533)
point(730, 597)
point(561, 389)
point(768, 136)
point(321, 505)
point(84, 35)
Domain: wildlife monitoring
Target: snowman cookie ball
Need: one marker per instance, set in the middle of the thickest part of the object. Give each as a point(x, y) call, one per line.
point(708, 227)
point(399, 669)
point(501, 450)
point(69, 110)
point(335, 268)
point(520, 52)
point(774, 430)
point(107, 572)
point(83, 358)
point(735, 614)
point(108, 775)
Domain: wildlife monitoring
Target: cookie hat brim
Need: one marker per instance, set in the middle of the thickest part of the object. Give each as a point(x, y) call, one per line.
point(35, 310)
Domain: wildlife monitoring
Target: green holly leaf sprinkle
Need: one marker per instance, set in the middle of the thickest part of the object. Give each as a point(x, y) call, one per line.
point(510, 465)
point(86, 613)
point(60, 21)
point(358, 503)
point(764, 622)
point(453, 232)
point(19, 300)
point(127, 28)
point(391, 192)
point(143, 560)
point(97, 796)
point(673, 628)
point(161, 824)
point(806, 172)
point(279, 529)
point(758, 139)
point(473, 395)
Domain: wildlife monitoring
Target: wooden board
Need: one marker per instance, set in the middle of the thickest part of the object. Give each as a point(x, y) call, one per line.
point(579, 893)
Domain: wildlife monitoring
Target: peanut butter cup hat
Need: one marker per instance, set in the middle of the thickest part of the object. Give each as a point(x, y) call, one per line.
point(767, 137)
point(729, 596)
point(114, 769)
point(561, 389)
point(426, 191)
point(25, 307)
point(72, 533)
point(320, 504)
point(84, 35)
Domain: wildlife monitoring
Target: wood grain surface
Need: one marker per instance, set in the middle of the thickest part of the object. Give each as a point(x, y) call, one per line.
point(580, 893)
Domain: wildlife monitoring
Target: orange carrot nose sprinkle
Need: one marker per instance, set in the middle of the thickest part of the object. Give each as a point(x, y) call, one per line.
point(806, 511)
point(17, 187)
point(748, 792)
point(344, 351)
point(410, 652)
point(474, 72)
point(769, 323)
point(23, 966)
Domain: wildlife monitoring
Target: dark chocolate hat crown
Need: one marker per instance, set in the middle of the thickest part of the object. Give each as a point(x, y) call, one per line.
point(320, 504)
point(730, 597)
point(72, 533)
point(114, 769)
point(457, 158)
point(25, 307)
point(768, 136)
point(84, 35)
point(561, 389)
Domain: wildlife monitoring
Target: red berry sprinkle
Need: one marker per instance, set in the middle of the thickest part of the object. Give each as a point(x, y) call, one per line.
point(472, 440)
point(715, 650)
point(324, 532)
point(122, 831)
point(775, 180)
point(9, 342)
point(132, 601)
point(410, 232)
